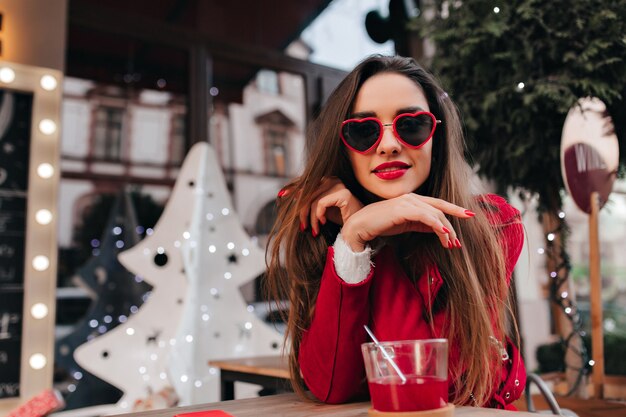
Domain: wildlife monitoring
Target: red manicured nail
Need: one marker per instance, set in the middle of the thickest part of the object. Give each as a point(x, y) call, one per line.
point(457, 243)
point(450, 246)
point(445, 229)
point(470, 213)
point(281, 193)
point(313, 232)
point(302, 227)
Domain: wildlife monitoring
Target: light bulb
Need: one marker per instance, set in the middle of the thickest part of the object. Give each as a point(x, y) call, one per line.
point(45, 170)
point(39, 310)
point(7, 75)
point(48, 82)
point(43, 216)
point(41, 263)
point(47, 127)
point(37, 361)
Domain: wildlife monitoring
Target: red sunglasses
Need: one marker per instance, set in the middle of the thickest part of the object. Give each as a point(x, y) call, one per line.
point(412, 129)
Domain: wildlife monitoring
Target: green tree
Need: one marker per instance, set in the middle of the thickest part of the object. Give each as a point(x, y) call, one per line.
point(515, 69)
point(560, 50)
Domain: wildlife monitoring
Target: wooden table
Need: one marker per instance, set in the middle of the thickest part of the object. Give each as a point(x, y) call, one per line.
point(270, 372)
point(289, 405)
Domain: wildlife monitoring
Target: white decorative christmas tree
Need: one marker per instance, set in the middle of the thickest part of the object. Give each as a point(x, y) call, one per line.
point(134, 355)
point(219, 258)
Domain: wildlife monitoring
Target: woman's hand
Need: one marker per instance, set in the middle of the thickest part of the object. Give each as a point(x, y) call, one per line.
point(406, 213)
point(333, 202)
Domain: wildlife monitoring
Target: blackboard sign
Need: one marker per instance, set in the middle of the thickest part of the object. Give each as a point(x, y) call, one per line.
point(11, 303)
point(15, 124)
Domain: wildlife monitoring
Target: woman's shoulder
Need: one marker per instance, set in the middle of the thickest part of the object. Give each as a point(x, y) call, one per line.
point(498, 210)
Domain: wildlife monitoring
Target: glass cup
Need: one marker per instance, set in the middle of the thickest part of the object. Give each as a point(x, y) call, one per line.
point(422, 363)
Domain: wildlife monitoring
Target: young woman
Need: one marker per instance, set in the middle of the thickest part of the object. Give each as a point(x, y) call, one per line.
point(382, 230)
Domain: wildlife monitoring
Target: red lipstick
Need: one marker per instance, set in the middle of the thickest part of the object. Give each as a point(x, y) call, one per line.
point(391, 170)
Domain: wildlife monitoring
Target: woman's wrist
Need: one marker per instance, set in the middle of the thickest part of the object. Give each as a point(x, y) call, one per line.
point(352, 267)
point(351, 237)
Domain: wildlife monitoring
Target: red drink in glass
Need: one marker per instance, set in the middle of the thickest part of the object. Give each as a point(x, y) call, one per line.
point(416, 394)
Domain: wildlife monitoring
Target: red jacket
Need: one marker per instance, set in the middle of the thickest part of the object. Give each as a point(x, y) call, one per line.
point(392, 306)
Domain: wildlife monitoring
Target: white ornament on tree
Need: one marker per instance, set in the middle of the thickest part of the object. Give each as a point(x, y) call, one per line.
point(219, 258)
point(134, 355)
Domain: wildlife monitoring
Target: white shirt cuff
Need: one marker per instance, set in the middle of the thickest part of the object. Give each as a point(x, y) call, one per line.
point(352, 267)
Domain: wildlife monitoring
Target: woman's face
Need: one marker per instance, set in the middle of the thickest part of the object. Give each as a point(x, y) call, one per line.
point(390, 169)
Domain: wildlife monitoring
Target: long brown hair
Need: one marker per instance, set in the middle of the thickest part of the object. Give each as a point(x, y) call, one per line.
point(475, 289)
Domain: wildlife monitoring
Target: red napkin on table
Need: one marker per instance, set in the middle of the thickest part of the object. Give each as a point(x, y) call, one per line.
point(212, 413)
point(40, 405)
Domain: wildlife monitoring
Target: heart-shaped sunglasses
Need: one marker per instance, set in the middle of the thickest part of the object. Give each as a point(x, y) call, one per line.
point(412, 129)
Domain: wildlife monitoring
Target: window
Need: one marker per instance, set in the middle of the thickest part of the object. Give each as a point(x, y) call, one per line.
point(107, 138)
point(177, 138)
point(275, 127)
point(276, 152)
point(267, 82)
